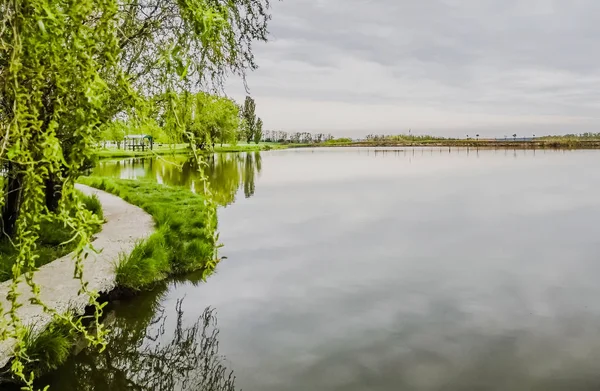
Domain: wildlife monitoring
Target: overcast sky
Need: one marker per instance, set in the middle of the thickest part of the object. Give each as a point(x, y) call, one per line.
point(446, 67)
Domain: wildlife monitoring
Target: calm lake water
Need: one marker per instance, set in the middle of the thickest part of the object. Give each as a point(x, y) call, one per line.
point(363, 269)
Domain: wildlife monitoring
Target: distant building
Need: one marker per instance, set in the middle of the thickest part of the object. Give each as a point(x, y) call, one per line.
point(138, 142)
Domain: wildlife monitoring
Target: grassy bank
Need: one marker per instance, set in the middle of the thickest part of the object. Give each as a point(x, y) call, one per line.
point(53, 241)
point(250, 147)
point(179, 149)
point(176, 149)
point(184, 242)
point(185, 236)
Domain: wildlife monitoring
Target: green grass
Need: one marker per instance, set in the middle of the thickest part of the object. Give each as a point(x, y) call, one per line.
point(48, 349)
point(52, 242)
point(184, 241)
point(148, 263)
point(178, 149)
point(92, 203)
point(242, 147)
point(174, 149)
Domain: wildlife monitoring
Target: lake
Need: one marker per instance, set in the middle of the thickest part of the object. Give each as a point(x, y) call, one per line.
point(373, 269)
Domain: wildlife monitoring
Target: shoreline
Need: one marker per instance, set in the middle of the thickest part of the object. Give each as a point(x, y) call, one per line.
point(538, 144)
point(125, 226)
point(144, 241)
point(482, 144)
point(121, 153)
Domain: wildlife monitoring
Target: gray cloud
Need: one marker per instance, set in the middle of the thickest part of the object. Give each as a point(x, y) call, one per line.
point(431, 65)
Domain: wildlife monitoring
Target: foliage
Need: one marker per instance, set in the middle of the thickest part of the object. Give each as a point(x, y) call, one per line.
point(92, 203)
point(258, 132)
point(151, 348)
point(174, 149)
point(402, 138)
point(49, 348)
point(69, 66)
point(249, 119)
point(250, 147)
point(147, 264)
point(280, 136)
point(226, 172)
point(208, 119)
point(186, 235)
point(341, 140)
point(53, 241)
point(114, 132)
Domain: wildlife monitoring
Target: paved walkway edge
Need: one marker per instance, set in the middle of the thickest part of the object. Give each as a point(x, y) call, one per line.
point(125, 226)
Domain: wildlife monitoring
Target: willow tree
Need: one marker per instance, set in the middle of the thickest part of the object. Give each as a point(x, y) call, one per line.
point(207, 119)
point(158, 46)
point(69, 66)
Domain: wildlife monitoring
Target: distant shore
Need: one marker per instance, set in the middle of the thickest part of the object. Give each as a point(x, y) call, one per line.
point(493, 144)
point(183, 149)
point(500, 144)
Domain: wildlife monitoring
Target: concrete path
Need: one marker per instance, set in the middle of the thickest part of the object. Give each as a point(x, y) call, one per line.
point(125, 225)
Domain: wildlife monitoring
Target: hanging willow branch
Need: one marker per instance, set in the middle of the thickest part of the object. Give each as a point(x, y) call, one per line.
point(69, 66)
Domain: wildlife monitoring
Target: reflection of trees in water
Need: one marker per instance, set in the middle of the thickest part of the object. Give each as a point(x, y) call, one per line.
point(225, 176)
point(143, 355)
point(249, 175)
point(226, 172)
point(109, 168)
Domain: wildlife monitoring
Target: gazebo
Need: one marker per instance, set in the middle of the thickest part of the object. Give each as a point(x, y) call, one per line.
point(138, 142)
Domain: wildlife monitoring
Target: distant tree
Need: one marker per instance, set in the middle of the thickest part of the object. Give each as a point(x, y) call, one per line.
point(249, 116)
point(477, 135)
point(225, 121)
point(515, 136)
point(113, 132)
point(258, 133)
point(209, 119)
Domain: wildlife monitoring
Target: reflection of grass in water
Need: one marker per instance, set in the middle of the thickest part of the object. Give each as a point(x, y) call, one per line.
point(142, 355)
point(226, 172)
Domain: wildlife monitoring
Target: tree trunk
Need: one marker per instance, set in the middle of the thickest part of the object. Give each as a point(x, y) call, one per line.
point(12, 200)
point(53, 190)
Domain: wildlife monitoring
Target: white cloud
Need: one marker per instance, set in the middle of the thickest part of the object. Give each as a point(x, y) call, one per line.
point(439, 66)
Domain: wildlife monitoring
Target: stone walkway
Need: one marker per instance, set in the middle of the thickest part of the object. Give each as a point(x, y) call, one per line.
point(125, 225)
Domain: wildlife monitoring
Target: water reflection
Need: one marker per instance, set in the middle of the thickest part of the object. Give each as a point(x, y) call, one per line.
point(150, 350)
point(227, 172)
point(412, 269)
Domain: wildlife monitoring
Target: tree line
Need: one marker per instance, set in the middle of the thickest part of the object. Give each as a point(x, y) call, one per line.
point(206, 119)
point(278, 136)
point(401, 137)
